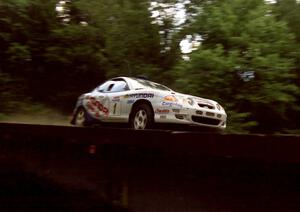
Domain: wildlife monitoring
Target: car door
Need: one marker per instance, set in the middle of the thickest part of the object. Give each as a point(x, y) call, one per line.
point(116, 100)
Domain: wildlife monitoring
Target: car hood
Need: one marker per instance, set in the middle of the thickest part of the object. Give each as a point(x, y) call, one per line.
point(195, 98)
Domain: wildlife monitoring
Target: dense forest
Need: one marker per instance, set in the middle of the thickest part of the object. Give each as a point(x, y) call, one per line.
point(244, 54)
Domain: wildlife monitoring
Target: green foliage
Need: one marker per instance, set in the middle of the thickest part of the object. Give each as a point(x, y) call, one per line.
point(238, 122)
point(12, 97)
point(131, 42)
point(76, 55)
point(50, 57)
point(241, 37)
point(289, 11)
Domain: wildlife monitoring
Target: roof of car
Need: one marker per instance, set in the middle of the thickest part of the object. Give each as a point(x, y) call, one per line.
point(136, 82)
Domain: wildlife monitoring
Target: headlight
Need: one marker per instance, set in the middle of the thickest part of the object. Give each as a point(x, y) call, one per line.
point(170, 98)
point(190, 101)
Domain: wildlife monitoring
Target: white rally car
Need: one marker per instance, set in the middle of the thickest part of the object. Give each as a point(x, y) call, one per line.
point(142, 103)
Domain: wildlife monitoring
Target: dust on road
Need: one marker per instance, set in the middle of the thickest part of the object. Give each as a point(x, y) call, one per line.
point(48, 117)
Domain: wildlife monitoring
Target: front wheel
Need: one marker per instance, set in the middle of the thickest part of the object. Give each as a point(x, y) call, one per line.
point(80, 118)
point(142, 117)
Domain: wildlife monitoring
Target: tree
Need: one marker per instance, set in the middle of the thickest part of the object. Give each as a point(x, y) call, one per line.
point(75, 62)
point(132, 43)
point(14, 53)
point(245, 61)
point(51, 57)
point(289, 11)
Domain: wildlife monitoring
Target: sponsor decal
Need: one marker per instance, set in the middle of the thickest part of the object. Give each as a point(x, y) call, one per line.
point(95, 106)
point(116, 99)
point(162, 111)
point(130, 101)
point(163, 117)
point(139, 95)
point(90, 107)
point(176, 110)
point(171, 104)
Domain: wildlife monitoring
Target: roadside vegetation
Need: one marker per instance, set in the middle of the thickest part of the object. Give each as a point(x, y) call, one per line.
point(246, 56)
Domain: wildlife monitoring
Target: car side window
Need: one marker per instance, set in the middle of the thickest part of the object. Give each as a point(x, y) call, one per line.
point(109, 89)
point(105, 87)
point(119, 86)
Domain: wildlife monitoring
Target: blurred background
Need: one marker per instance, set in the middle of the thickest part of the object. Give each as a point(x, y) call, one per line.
point(243, 54)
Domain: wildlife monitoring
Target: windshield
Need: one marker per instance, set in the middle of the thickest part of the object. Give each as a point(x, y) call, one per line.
point(140, 83)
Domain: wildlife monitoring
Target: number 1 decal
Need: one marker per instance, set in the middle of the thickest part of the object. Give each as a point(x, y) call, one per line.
point(115, 106)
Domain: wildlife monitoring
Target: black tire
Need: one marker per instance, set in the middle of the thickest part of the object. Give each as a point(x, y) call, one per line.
point(80, 117)
point(142, 117)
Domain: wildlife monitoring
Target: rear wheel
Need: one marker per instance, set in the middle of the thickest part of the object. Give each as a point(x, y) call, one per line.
point(80, 118)
point(142, 117)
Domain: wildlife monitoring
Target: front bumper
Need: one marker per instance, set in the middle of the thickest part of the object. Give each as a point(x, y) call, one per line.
point(192, 116)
